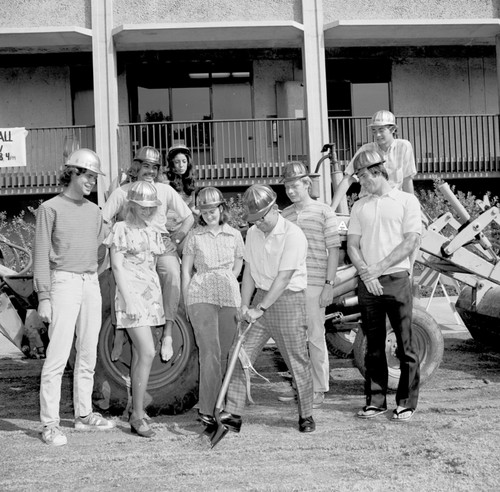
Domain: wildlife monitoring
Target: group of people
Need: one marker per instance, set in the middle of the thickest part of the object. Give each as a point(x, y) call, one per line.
point(160, 256)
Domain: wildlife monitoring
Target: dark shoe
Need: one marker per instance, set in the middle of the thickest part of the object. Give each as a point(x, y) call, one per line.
point(232, 422)
point(307, 424)
point(141, 428)
point(207, 420)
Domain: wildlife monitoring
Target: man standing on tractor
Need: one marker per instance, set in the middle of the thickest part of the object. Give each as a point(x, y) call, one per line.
point(396, 152)
point(145, 167)
point(384, 231)
point(69, 230)
point(318, 222)
point(275, 265)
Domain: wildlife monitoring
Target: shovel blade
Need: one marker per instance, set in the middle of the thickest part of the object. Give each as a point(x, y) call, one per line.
point(220, 431)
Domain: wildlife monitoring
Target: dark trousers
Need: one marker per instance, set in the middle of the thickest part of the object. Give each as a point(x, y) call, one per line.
point(397, 303)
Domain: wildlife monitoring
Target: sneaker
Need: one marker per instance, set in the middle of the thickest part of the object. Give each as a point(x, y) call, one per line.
point(319, 398)
point(94, 421)
point(289, 395)
point(53, 436)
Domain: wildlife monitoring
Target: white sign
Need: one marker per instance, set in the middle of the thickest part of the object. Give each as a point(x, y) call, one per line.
point(13, 147)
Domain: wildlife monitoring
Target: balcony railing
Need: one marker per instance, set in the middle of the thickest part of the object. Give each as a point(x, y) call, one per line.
point(242, 152)
point(445, 146)
point(45, 149)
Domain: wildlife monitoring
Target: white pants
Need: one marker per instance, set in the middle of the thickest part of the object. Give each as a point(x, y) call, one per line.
point(318, 351)
point(76, 309)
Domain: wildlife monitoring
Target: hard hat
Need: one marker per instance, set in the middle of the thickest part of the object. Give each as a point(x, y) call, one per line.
point(293, 171)
point(144, 194)
point(148, 154)
point(209, 198)
point(257, 201)
point(383, 118)
point(178, 149)
point(366, 158)
point(86, 159)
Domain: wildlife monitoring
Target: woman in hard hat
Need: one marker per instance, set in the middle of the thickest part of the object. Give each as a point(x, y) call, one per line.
point(214, 251)
point(181, 177)
point(134, 247)
point(397, 153)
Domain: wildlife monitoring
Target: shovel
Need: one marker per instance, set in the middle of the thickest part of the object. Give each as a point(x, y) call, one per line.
point(220, 429)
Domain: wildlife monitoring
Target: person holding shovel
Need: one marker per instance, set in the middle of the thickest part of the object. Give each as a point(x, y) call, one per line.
point(275, 270)
point(211, 264)
point(318, 222)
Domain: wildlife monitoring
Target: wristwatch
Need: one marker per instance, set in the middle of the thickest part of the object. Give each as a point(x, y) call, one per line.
point(260, 308)
point(330, 282)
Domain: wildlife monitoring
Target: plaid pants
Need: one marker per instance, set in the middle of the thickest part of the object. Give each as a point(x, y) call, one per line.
point(286, 322)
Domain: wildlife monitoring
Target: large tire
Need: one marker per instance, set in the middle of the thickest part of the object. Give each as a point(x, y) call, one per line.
point(172, 386)
point(429, 342)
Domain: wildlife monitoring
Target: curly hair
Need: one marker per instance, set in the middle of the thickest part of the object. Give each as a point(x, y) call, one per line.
point(186, 182)
point(67, 172)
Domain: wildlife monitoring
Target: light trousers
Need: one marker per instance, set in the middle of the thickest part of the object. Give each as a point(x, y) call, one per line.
point(76, 310)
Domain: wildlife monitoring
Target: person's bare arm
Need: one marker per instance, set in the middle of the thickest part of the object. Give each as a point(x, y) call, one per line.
point(341, 191)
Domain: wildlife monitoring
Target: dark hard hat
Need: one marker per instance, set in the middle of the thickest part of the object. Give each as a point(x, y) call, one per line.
point(148, 154)
point(258, 200)
point(293, 171)
point(209, 198)
point(178, 149)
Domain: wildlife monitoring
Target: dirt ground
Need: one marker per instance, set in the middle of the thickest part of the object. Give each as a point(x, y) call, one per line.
point(452, 443)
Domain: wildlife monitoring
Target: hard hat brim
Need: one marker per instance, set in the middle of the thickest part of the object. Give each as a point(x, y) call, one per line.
point(97, 171)
point(147, 203)
point(209, 206)
point(288, 179)
point(249, 217)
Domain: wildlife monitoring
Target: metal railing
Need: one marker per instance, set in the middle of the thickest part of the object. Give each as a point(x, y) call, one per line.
point(446, 146)
point(45, 149)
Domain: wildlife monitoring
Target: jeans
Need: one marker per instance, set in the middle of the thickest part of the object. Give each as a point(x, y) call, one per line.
point(397, 303)
point(76, 310)
point(215, 330)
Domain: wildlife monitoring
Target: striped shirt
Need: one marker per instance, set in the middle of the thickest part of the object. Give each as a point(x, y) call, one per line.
point(399, 162)
point(319, 223)
point(68, 234)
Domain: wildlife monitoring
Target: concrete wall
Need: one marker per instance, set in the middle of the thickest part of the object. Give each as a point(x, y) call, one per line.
point(43, 13)
point(404, 9)
point(35, 96)
point(423, 86)
point(182, 11)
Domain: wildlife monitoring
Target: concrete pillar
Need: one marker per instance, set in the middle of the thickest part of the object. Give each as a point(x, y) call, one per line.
point(497, 52)
point(105, 92)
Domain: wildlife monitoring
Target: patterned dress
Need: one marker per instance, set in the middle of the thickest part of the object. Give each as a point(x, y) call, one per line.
point(139, 247)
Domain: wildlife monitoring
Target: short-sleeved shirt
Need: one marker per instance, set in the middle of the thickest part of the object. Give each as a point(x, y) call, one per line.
point(382, 222)
point(399, 162)
point(214, 256)
point(169, 198)
point(319, 223)
point(284, 248)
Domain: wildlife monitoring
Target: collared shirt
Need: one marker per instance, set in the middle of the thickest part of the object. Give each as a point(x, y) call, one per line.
point(382, 222)
point(319, 223)
point(284, 248)
point(169, 198)
point(213, 259)
point(399, 162)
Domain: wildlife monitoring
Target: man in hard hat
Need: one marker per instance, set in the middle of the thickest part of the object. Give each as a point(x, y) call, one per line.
point(275, 267)
point(384, 230)
point(397, 153)
point(69, 230)
point(145, 167)
point(318, 222)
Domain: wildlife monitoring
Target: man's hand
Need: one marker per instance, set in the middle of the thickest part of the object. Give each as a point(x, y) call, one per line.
point(253, 315)
point(45, 310)
point(326, 297)
point(369, 273)
point(241, 314)
point(374, 287)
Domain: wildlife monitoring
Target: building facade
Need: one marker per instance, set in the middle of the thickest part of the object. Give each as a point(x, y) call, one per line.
point(248, 86)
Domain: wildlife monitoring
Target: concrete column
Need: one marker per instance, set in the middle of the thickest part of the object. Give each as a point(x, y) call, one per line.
point(105, 92)
point(497, 52)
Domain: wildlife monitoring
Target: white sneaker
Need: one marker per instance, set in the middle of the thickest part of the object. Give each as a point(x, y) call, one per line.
point(319, 398)
point(289, 395)
point(94, 421)
point(53, 436)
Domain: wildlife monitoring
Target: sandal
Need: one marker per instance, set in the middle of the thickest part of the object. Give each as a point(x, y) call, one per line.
point(370, 411)
point(403, 415)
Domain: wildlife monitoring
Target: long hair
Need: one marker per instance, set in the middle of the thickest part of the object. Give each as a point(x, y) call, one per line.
point(186, 182)
point(67, 172)
point(130, 213)
point(224, 215)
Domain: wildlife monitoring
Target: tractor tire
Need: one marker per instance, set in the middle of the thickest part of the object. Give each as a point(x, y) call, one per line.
point(172, 387)
point(429, 342)
point(340, 343)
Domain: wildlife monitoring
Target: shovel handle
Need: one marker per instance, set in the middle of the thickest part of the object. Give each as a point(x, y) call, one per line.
point(230, 369)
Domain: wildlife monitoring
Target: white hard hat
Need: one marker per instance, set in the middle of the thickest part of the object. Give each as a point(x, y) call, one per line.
point(383, 118)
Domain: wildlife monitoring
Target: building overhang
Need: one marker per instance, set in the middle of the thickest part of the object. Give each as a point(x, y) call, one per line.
point(210, 35)
point(45, 40)
point(422, 32)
